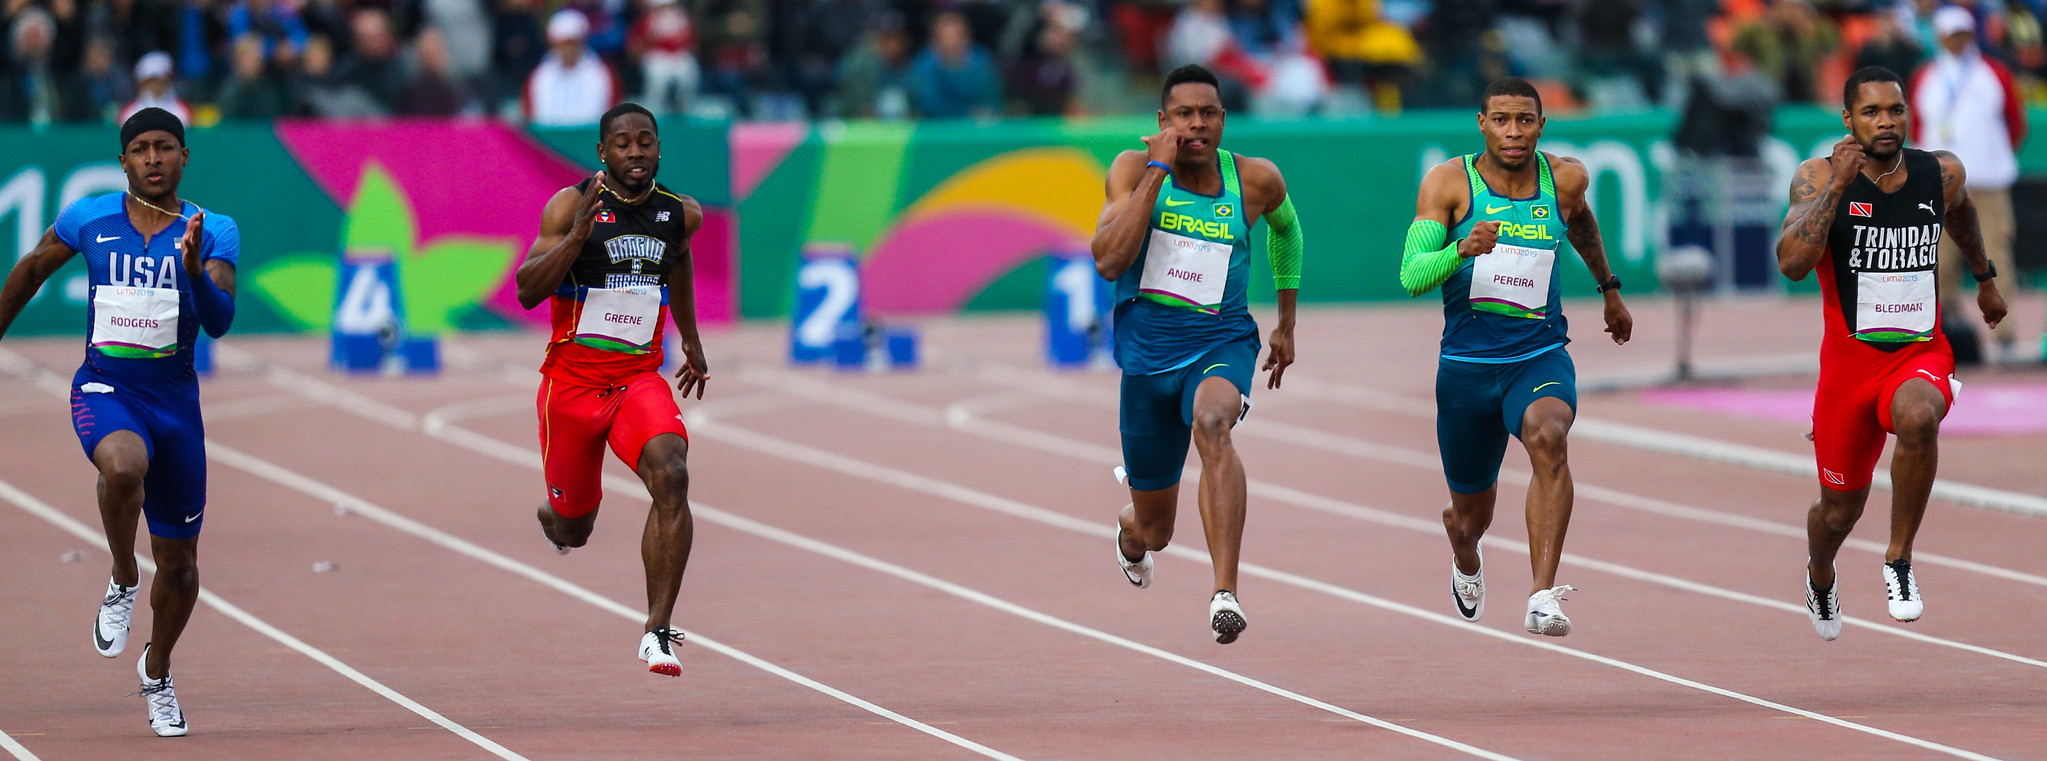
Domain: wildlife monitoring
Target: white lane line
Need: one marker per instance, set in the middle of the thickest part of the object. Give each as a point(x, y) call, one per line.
point(290, 479)
point(1059, 388)
point(40, 509)
point(20, 753)
point(961, 415)
point(969, 496)
point(398, 418)
point(437, 424)
point(1696, 447)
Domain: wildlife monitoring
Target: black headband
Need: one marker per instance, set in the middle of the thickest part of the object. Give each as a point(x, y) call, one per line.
point(150, 120)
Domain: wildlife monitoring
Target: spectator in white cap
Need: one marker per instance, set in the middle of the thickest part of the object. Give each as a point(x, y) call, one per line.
point(1967, 102)
point(571, 86)
point(154, 89)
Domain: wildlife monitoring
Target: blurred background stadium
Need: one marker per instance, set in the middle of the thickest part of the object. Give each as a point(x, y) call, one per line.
point(949, 145)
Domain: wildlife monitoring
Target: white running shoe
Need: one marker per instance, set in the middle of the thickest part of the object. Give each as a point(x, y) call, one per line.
point(1225, 617)
point(657, 648)
point(1469, 591)
point(1138, 572)
point(165, 717)
point(1906, 604)
point(1546, 613)
point(110, 629)
point(1824, 613)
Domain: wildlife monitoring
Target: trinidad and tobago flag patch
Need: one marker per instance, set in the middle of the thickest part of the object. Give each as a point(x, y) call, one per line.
point(605, 215)
point(1855, 209)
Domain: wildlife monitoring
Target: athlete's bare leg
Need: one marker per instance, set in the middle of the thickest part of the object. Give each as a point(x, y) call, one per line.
point(664, 546)
point(567, 532)
point(1916, 410)
point(122, 460)
point(1544, 429)
point(1217, 404)
point(1148, 521)
point(1466, 521)
point(1827, 525)
point(171, 598)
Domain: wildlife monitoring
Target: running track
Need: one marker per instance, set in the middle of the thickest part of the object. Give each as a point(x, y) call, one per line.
point(917, 566)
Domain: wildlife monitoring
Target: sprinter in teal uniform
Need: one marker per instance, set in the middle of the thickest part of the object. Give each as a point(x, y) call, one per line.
point(1487, 229)
point(1175, 236)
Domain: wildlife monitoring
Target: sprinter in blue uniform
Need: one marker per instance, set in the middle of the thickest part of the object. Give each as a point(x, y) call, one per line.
point(161, 270)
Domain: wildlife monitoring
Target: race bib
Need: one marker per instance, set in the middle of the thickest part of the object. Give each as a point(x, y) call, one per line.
point(620, 319)
point(1512, 280)
point(1894, 306)
point(134, 323)
point(1184, 271)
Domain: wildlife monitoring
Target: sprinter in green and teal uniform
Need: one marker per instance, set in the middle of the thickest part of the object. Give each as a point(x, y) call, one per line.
point(1487, 230)
point(1175, 236)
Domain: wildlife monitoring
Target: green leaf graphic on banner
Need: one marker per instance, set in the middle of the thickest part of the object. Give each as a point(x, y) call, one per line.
point(301, 287)
point(379, 216)
point(449, 276)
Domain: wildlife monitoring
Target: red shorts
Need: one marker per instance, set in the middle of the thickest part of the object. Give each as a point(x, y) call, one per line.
point(576, 421)
point(1851, 411)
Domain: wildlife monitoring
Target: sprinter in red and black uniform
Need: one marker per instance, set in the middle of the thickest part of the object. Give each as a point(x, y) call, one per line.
point(1869, 219)
point(613, 258)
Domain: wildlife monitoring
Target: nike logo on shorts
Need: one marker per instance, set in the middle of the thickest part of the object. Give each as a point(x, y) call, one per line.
point(1204, 371)
point(1930, 374)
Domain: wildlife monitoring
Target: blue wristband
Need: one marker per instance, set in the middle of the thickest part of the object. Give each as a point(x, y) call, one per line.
point(1161, 165)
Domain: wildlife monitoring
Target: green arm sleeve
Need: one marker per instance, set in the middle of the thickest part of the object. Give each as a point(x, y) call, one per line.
point(1283, 246)
point(1427, 261)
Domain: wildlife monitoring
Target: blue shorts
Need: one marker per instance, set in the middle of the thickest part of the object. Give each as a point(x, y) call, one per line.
point(1478, 405)
point(1157, 416)
point(167, 419)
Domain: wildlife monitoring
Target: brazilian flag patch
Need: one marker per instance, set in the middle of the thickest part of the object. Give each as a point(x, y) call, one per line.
point(1225, 210)
point(1539, 212)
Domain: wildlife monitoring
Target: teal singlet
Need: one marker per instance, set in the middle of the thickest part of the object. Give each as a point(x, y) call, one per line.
point(1503, 306)
point(1186, 293)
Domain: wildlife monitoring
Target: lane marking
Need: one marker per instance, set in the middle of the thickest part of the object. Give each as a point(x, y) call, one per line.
point(15, 748)
point(395, 417)
point(437, 424)
point(966, 495)
point(1059, 388)
point(285, 477)
point(1695, 447)
point(36, 507)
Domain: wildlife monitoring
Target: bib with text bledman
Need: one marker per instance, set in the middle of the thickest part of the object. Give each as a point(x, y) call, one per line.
point(1895, 306)
point(1183, 271)
point(134, 323)
point(1513, 281)
point(620, 319)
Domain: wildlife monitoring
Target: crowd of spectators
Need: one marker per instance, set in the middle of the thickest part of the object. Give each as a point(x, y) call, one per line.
point(565, 61)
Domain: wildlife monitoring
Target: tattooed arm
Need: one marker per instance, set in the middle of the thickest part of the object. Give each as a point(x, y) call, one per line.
point(1814, 198)
point(1962, 228)
point(1583, 232)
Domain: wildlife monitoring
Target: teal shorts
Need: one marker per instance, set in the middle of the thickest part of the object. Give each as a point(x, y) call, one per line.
point(1157, 416)
point(1478, 405)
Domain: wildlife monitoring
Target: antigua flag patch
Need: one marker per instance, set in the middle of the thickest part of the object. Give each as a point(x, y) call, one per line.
point(605, 216)
point(1858, 209)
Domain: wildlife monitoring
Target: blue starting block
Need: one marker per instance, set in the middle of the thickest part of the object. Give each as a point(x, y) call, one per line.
point(1077, 312)
point(827, 303)
point(369, 326)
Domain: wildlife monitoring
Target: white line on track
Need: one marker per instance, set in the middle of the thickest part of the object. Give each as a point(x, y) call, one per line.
point(1060, 388)
point(439, 424)
point(962, 416)
point(966, 495)
point(20, 753)
point(36, 507)
point(1696, 447)
point(399, 418)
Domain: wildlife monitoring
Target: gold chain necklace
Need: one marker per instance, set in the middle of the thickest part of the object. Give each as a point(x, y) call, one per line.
point(630, 201)
point(138, 199)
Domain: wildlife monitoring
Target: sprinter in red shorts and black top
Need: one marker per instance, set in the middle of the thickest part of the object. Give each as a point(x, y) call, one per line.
point(613, 254)
point(1870, 219)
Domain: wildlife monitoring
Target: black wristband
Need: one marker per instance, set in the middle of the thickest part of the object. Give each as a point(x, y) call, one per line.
point(1613, 283)
point(1985, 277)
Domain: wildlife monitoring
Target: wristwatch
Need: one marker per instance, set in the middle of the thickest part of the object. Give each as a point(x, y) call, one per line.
point(1613, 283)
point(1985, 277)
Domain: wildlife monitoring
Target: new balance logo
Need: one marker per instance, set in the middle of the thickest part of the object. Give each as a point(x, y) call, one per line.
point(662, 216)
